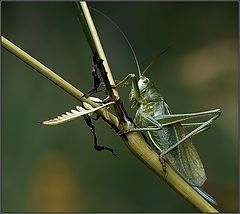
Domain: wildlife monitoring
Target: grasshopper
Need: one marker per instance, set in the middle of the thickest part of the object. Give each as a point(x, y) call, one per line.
point(167, 132)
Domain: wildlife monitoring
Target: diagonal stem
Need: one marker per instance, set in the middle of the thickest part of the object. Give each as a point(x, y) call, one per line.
point(59, 81)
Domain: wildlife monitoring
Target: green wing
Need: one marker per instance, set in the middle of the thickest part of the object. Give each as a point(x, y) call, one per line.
point(189, 159)
point(183, 158)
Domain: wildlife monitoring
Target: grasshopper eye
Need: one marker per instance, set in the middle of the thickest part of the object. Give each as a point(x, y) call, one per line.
point(146, 80)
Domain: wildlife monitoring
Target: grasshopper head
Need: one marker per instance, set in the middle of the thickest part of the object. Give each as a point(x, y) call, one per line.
point(144, 84)
point(147, 92)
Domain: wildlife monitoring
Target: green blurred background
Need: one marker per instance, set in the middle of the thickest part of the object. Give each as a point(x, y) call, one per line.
point(56, 168)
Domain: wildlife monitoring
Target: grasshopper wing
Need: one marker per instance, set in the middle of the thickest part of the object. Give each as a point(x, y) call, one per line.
point(186, 158)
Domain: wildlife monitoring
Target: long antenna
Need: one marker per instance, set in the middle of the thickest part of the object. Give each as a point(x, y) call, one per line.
point(125, 37)
point(155, 58)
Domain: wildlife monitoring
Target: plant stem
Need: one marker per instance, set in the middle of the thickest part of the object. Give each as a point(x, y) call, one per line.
point(93, 39)
point(59, 81)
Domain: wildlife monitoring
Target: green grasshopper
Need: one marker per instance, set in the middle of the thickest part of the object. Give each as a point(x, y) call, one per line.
point(167, 132)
